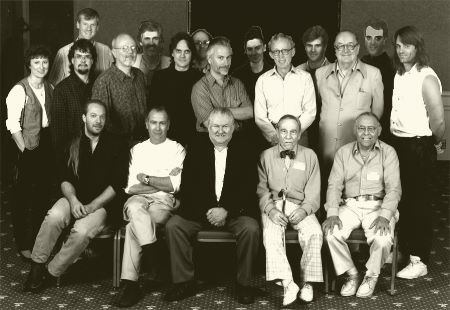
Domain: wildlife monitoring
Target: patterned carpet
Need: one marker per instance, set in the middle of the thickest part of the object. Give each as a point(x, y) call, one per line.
point(88, 283)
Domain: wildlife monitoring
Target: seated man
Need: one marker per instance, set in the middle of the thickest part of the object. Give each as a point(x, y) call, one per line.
point(217, 190)
point(154, 177)
point(363, 191)
point(95, 175)
point(289, 193)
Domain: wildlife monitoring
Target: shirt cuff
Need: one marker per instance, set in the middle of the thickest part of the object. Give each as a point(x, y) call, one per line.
point(333, 211)
point(387, 214)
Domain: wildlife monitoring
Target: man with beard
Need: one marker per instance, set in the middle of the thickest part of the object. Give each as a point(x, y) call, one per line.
point(201, 39)
point(217, 89)
point(122, 89)
point(315, 41)
point(87, 25)
point(70, 95)
point(95, 174)
point(150, 38)
point(375, 36)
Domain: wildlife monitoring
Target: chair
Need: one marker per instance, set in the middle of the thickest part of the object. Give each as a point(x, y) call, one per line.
point(358, 237)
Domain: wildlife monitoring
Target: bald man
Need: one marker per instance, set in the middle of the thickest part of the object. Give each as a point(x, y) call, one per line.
point(347, 88)
point(122, 89)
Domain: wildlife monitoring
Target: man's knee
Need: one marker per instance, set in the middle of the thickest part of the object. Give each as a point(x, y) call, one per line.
point(173, 224)
point(134, 206)
point(57, 216)
point(382, 241)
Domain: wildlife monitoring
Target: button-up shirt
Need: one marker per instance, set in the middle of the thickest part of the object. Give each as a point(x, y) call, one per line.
point(378, 176)
point(220, 164)
point(301, 179)
point(207, 94)
point(275, 97)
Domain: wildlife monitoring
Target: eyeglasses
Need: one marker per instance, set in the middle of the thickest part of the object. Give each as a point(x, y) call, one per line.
point(126, 48)
point(284, 52)
point(370, 129)
point(350, 46)
point(84, 57)
point(202, 43)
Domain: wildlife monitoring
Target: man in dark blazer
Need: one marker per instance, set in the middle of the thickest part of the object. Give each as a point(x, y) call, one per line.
point(218, 191)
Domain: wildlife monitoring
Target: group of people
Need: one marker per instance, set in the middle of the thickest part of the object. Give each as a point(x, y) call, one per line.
point(181, 144)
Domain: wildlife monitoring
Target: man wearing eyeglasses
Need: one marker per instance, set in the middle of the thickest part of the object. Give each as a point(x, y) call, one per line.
point(363, 191)
point(375, 36)
point(150, 38)
point(87, 25)
point(122, 89)
point(70, 96)
point(289, 195)
point(346, 88)
point(283, 90)
point(201, 39)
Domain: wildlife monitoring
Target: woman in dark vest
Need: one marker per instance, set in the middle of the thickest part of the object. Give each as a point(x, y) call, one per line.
point(28, 105)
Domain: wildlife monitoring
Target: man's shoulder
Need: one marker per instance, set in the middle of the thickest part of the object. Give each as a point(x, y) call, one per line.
point(65, 49)
point(266, 74)
point(346, 148)
point(165, 61)
point(325, 69)
point(302, 66)
point(101, 46)
point(271, 152)
point(387, 148)
point(200, 85)
point(370, 70)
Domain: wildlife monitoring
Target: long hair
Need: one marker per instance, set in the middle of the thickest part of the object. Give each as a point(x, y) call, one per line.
point(411, 35)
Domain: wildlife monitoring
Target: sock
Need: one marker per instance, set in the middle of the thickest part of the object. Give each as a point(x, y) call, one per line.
point(352, 271)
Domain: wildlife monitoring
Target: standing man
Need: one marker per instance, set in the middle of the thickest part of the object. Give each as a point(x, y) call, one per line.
point(150, 38)
point(87, 24)
point(289, 194)
point(363, 191)
point(154, 177)
point(217, 89)
point(70, 95)
point(347, 88)
point(94, 178)
point(418, 127)
point(217, 192)
point(283, 90)
point(254, 48)
point(122, 89)
point(201, 39)
point(375, 36)
point(315, 41)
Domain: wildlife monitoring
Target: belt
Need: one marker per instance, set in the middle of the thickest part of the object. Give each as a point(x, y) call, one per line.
point(366, 198)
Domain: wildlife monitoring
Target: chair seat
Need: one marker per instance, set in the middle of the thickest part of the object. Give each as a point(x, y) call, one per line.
point(215, 236)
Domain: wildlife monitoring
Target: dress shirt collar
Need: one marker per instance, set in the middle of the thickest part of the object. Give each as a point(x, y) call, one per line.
point(355, 150)
point(211, 80)
point(358, 66)
point(275, 72)
point(413, 70)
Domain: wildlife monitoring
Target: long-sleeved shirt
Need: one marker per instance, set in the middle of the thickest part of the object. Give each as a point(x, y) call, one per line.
point(275, 97)
point(124, 96)
point(61, 65)
point(302, 179)
point(378, 176)
point(207, 94)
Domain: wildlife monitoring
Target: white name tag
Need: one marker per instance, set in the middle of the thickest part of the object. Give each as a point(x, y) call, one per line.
point(373, 176)
point(299, 165)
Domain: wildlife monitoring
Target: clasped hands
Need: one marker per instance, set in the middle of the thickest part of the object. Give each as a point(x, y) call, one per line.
point(79, 210)
point(217, 216)
point(279, 218)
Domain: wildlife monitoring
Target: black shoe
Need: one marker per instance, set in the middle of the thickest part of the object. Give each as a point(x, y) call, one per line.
point(38, 278)
point(245, 294)
point(181, 291)
point(129, 294)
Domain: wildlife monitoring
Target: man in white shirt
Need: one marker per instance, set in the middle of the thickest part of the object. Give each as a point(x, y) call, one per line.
point(87, 25)
point(283, 90)
point(154, 177)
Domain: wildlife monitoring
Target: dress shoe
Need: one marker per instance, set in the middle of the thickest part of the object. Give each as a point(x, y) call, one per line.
point(306, 293)
point(38, 278)
point(350, 285)
point(25, 255)
point(414, 270)
point(245, 294)
point(290, 294)
point(129, 294)
point(367, 287)
point(180, 291)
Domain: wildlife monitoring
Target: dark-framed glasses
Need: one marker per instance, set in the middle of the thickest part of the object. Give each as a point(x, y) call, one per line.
point(284, 52)
point(350, 47)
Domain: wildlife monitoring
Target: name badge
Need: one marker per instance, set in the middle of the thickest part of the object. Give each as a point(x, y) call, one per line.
point(299, 165)
point(373, 176)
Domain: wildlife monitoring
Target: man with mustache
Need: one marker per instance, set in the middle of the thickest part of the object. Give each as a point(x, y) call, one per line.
point(122, 89)
point(283, 90)
point(87, 25)
point(150, 38)
point(218, 89)
point(70, 95)
point(93, 180)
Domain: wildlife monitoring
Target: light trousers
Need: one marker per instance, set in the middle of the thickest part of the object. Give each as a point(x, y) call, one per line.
point(82, 232)
point(354, 215)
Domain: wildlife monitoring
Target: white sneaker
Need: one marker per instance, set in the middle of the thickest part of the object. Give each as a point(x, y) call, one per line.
point(350, 285)
point(290, 293)
point(367, 287)
point(414, 270)
point(307, 293)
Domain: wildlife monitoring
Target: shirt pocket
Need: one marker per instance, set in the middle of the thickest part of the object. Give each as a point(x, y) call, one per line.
point(364, 98)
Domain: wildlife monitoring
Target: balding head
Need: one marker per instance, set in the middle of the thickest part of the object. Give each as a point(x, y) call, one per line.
point(346, 47)
point(124, 51)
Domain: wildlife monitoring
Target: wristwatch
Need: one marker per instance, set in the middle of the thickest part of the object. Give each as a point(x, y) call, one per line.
point(147, 180)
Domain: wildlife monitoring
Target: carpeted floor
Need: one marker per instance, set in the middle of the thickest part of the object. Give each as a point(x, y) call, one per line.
point(88, 284)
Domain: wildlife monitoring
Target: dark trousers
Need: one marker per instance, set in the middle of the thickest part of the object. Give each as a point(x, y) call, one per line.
point(31, 192)
point(180, 233)
point(417, 158)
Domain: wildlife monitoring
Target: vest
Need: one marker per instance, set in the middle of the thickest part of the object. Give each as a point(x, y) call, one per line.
point(31, 117)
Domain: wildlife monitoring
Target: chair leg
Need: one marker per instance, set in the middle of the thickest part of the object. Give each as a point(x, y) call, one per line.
point(394, 265)
point(116, 258)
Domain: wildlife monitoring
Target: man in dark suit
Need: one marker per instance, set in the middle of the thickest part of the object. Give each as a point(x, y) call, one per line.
point(217, 192)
